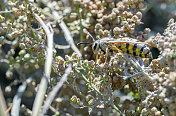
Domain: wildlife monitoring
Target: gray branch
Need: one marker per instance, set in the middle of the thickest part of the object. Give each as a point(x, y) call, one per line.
point(47, 69)
point(53, 93)
point(17, 100)
point(67, 34)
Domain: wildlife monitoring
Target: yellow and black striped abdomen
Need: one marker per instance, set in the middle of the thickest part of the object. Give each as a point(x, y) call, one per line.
point(135, 49)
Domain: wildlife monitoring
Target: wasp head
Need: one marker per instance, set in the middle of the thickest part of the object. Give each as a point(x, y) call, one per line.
point(95, 46)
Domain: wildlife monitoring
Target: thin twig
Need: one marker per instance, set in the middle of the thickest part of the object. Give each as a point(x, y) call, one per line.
point(130, 76)
point(53, 93)
point(117, 109)
point(139, 68)
point(4, 60)
point(2, 12)
point(17, 100)
point(62, 46)
point(44, 81)
point(8, 42)
point(9, 108)
point(67, 34)
point(56, 112)
point(69, 38)
point(81, 28)
point(3, 107)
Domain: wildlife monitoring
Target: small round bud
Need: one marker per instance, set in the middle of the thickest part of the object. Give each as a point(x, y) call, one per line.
point(2, 19)
point(67, 58)
point(111, 5)
point(129, 14)
point(145, 36)
point(89, 97)
point(73, 16)
point(22, 52)
point(94, 12)
point(107, 26)
point(133, 6)
point(141, 5)
point(27, 56)
point(134, 18)
point(154, 109)
point(121, 7)
point(113, 15)
point(158, 113)
point(117, 100)
point(98, 26)
point(139, 15)
point(74, 55)
point(99, 15)
point(94, 6)
point(106, 33)
point(8, 89)
point(77, 2)
point(74, 98)
point(9, 36)
point(105, 18)
point(118, 20)
point(59, 59)
point(132, 30)
point(22, 45)
point(9, 74)
point(147, 30)
point(116, 30)
point(125, 23)
point(1, 39)
point(140, 37)
point(115, 10)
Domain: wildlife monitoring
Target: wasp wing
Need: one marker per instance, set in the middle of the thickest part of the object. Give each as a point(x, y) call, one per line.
point(132, 42)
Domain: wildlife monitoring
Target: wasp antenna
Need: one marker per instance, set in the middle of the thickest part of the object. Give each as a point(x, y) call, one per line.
point(91, 36)
point(83, 43)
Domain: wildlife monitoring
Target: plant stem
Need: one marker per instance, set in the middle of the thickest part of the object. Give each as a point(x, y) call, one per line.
point(81, 29)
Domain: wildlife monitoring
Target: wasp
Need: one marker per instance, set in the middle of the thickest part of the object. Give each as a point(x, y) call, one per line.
point(127, 45)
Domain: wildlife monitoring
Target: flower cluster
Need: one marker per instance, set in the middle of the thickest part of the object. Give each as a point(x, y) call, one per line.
point(124, 85)
point(161, 100)
point(22, 43)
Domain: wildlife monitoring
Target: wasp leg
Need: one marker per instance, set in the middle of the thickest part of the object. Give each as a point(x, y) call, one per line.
point(99, 59)
point(96, 58)
point(106, 56)
point(120, 51)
